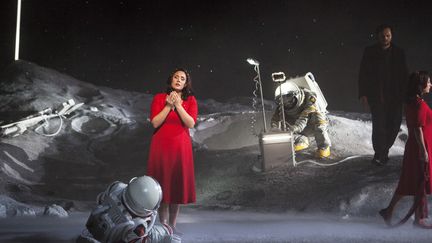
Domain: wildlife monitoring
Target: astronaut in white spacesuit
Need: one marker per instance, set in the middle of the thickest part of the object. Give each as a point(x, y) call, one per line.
point(127, 213)
point(302, 117)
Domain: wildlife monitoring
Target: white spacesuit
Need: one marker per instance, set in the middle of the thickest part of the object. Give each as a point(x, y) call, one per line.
point(303, 117)
point(127, 213)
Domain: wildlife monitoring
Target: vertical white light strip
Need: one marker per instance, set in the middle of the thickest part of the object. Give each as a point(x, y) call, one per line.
point(17, 37)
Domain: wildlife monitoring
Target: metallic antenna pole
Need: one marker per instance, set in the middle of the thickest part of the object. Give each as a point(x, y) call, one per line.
point(17, 36)
point(262, 98)
point(255, 63)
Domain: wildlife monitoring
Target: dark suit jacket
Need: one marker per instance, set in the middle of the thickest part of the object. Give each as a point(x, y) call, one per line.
point(371, 83)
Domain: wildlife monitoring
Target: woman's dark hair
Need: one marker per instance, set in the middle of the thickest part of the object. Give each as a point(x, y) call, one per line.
point(187, 90)
point(416, 83)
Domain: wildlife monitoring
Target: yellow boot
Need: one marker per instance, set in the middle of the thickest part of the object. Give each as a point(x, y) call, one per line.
point(300, 146)
point(323, 153)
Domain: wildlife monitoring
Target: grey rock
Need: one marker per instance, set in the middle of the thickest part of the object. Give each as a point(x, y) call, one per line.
point(55, 210)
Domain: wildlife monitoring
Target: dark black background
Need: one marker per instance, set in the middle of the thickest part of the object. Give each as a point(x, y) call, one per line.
point(134, 45)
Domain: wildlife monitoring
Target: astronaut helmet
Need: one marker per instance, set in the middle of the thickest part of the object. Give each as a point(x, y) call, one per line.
point(292, 95)
point(142, 196)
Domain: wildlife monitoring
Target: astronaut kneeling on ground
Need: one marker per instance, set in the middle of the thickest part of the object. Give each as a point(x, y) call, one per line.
point(127, 213)
point(303, 118)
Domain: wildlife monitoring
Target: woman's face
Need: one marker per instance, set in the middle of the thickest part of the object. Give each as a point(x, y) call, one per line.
point(427, 88)
point(178, 81)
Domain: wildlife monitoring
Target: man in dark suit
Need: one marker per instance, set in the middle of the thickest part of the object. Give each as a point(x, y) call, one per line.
point(382, 80)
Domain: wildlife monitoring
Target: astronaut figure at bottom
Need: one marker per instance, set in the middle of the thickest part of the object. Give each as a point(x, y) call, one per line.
point(303, 118)
point(127, 213)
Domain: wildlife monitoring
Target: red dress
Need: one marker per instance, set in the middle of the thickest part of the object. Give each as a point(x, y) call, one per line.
point(418, 114)
point(171, 159)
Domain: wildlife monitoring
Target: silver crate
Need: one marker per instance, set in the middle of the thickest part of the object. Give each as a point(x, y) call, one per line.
point(277, 148)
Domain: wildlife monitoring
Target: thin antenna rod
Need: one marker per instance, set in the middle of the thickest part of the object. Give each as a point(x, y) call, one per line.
point(17, 37)
point(262, 98)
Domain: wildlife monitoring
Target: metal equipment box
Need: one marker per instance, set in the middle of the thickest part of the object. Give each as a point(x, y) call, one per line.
point(277, 148)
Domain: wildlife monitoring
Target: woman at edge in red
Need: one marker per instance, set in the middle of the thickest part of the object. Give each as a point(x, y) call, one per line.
point(418, 149)
point(170, 158)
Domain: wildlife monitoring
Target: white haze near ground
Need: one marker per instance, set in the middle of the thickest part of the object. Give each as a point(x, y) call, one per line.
point(307, 203)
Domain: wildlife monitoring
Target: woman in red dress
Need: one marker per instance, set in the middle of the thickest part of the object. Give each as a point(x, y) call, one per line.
point(418, 149)
point(170, 158)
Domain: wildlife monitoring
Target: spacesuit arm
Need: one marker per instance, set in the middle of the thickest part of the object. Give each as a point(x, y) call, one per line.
point(276, 119)
point(135, 231)
point(301, 122)
point(162, 233)
point(113, 186)
point(143, 232)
